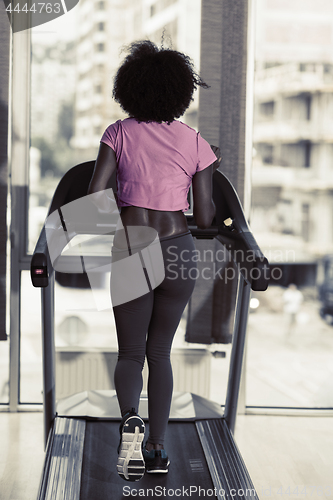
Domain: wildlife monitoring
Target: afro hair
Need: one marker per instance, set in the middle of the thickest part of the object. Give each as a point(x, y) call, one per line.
point(155, 84)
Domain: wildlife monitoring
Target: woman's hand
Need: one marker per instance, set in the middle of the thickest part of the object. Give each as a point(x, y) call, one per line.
point(217, 152)
point(105, 201)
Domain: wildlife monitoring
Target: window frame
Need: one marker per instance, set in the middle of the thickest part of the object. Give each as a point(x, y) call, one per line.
point(19, 133)
point(20, 103)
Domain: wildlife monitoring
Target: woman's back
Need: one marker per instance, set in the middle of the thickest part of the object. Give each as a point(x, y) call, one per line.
point(156, 162)
point(156, 159)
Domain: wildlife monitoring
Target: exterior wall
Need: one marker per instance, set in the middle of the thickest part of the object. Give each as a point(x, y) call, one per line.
point(226, 108)
point(5, 34)
point(181, 20)
point(102, 31)
point(293, 140)
point(124, 22)
point(294, 30)
point(293, 133)
point(53, 81)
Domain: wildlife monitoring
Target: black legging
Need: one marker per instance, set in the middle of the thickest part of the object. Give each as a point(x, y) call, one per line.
point(146, 327)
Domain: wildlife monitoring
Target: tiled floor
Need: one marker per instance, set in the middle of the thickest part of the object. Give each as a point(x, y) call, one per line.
point(21, 455)
point(287, 457)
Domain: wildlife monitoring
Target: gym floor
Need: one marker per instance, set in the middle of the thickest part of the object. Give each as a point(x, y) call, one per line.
point(287, 457)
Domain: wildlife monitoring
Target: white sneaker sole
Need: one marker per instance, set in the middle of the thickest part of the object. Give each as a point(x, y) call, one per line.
point(131, 465)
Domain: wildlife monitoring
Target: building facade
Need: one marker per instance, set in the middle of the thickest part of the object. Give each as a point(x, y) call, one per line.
point(292, 173)
point(293, 162)
point(105, 28)
point(53, 79)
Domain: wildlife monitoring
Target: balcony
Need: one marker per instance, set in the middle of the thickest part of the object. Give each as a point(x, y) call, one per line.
point(292, 131)
point(288, 80)
point(289, 177)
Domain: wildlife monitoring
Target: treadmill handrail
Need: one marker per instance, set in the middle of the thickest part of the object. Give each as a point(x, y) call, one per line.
point(243, 247)
point(229, 227)
point(246, 253)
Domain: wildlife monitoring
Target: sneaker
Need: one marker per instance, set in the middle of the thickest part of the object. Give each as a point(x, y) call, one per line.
point(156, 461)
point(130, 465)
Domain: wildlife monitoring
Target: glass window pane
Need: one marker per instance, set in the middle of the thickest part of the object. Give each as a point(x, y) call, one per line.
point(290, 340)
point(74, 59)
point(31, 384)
point(85, 338)
point(53, 86)
point(4, 372)
point(289, 359)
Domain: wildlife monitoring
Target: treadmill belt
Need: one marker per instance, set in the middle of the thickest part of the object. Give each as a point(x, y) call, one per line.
point(188, 469)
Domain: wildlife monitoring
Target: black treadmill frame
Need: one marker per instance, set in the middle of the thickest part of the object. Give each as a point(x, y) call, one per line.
point(229, 227)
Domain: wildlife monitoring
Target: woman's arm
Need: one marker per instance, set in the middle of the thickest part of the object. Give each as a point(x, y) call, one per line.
point(106, 164)
point(202, 186)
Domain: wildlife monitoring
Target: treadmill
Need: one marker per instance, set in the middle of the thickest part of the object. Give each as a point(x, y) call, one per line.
point(81, 432)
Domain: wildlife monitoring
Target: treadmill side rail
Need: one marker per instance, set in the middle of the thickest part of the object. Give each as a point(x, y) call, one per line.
point(237, 352)
point(61, 479)
point(227, 468)
point(65, 446)
point(49, 398)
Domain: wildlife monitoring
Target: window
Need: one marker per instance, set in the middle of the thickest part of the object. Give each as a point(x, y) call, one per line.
point(278, 373)
point(308, 100)
point(160, 5)
point(307, 154)
point(305, 224)
point(265, 152)
point(290, 366)
point(267, 108)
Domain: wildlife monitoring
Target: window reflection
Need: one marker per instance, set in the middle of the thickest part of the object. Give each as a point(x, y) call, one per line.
point(292, 216)
point(4, 372)
point(292, 175)
point(71, 105)
point(71, 83)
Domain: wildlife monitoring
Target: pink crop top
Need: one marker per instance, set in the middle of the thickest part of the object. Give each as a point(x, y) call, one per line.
point(156, 162)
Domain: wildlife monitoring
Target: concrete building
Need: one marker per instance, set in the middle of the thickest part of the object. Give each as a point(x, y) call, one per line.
point(294, 30)
point(293, 166)
point(292, 174)
point(53, 84)
point(178, 21)
point(100, 41)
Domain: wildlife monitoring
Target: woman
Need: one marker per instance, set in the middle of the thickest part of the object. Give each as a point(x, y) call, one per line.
point(157, 158)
